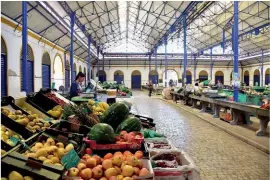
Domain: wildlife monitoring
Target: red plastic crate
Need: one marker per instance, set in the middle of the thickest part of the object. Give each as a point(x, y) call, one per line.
point(125, 146)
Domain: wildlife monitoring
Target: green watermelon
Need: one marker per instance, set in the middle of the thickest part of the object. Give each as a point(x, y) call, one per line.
point(115, 115)
point(102, 133)
point(129, 125)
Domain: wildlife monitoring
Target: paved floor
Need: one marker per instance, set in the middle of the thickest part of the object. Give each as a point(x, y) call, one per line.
point(219, 155)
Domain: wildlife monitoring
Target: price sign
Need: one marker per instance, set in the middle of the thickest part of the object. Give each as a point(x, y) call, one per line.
point(71, 159)
point(14, 140)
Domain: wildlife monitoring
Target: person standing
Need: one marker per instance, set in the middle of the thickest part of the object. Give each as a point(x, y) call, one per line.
point(150, 87)
point(76, 88)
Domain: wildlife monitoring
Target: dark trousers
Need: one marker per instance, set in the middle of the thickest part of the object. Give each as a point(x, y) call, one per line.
point(150, 92)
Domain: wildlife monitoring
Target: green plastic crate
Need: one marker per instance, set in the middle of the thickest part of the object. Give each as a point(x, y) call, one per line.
point(254, 99)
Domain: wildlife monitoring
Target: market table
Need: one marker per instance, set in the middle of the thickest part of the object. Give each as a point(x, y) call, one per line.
point(237, 110)
point(176, 95)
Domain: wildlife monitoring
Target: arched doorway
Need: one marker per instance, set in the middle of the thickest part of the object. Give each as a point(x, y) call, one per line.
point(67, 75)
point(46, 70)
point(267, 76)
point(256, 78)
point(153, 76)
point(30, 69)
point(136, 79)
point(171, 75)
point(74, 71)
point(219, 76)
point(246, 78)
point(119, 76)
point(4, 90)
point(188, 77)
point(101, 76)
point(203, 75)
point(58, 72)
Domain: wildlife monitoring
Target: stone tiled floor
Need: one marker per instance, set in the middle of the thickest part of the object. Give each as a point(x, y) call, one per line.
point(219, 155)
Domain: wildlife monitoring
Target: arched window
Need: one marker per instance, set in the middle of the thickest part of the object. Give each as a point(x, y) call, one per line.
point(219, 76)
point(203, 75)
point(80, 68)
point(189, 77)
point(153, 76)
point(246, 78)
point(171, 76)
point(67, 74)
point(84, 71)
point(136, 79)
point(4, 89)
point(119, 76)
point(256, 78)
point(267, 76)
point(46, 70)
point(74, 71)
point(30, 70)
point(58, 72)
point(101, 76)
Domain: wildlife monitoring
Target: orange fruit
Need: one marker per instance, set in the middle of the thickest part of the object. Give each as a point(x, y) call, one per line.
point(117, 153)
point(108, 156)
point(127, 153)
point(139, 154)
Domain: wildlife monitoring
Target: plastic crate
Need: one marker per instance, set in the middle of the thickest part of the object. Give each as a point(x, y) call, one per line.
point(185, 170)
point(164, 141)
point(137, 144)
point(10, 123)
point(26, 167)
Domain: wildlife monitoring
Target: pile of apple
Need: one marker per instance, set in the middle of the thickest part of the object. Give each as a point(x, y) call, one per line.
point(126, 137)
point(117, 166)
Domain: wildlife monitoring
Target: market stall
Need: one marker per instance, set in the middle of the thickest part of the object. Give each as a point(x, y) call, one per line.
point(92, 140)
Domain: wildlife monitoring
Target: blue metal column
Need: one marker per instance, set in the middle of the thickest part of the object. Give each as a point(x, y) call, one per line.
point(262, 69)
point(211, 64)
point(98, 61)
point(149, 64)
point(72, 17)
point(235, 47)
point(24, 46)
point(103, 62)
point(156, 77)
point(89, 58)
point(195, 66)
point(185, 50)
point(166, 62)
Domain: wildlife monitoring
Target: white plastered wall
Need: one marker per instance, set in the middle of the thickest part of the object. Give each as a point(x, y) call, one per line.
point(13, 42)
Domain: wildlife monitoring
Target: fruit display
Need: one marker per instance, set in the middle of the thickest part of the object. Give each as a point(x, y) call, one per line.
point(49, 151)
point(130, 124)
point(102, 133)
point(14, 175)
point(115, 114)
point(56, 112)
point(98, 107)
point(131, 137)
point(32, 122)
point(6, 135)
point(117, 166)
point(57, 100)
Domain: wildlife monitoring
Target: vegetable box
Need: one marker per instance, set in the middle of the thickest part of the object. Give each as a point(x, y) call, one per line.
point(154, 145)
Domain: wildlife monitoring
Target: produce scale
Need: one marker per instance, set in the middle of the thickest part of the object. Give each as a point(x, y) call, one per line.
point(46, 136)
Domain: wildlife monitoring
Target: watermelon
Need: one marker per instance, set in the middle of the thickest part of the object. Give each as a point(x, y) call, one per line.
point(115, 115)
point(129, 125)
point(102, 133)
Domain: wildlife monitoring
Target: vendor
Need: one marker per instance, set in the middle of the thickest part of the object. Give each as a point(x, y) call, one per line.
point(76, 88)
point(219, 85)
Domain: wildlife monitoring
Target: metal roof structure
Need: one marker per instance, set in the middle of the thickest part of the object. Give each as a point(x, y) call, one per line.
point(142, 26)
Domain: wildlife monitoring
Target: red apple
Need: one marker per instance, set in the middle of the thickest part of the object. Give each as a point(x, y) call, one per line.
point(86, 174)
point(88, 151)
point(73, 172)
point(97, 172)
point(81, 166)
point(91, 162)
point(98, 159)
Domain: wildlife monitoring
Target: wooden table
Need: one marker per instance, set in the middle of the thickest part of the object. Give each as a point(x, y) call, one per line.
point(237, 109)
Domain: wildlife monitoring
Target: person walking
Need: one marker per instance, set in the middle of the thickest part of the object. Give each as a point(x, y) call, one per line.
point(150, 87)
point(76, 88)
